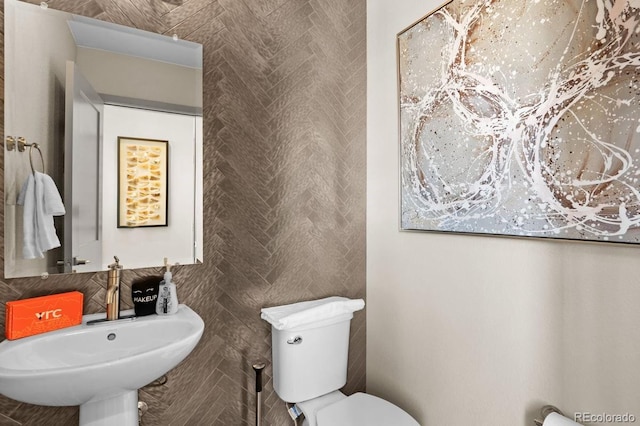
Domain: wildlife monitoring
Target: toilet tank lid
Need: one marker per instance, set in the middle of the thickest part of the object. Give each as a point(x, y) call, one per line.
point(364, 409)
point(287, 317)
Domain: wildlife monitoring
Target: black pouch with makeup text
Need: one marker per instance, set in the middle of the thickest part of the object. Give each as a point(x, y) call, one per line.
point(144, 292)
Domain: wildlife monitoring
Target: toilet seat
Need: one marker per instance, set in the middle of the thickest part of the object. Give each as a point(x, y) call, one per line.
point(361, 409)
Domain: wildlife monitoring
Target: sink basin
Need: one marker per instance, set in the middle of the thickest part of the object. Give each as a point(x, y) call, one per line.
point(100, 366)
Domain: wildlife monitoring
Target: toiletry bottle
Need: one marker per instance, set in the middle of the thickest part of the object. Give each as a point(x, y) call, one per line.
point(167, 302)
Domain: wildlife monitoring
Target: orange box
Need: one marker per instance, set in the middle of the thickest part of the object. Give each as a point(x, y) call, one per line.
point(37, 315)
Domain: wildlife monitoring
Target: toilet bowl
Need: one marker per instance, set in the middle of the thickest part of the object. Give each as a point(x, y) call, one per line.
point(310, 346)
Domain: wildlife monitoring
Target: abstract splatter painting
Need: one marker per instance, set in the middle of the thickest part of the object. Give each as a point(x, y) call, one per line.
point(522, 118)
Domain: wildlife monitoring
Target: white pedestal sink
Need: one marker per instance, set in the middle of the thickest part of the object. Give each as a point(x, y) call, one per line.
point(99, 367)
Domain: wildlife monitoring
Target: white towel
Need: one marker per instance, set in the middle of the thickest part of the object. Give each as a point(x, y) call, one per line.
point(298, 314)
point(41, 201)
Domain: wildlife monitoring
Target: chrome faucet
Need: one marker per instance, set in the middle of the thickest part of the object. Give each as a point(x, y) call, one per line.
point(113, 290)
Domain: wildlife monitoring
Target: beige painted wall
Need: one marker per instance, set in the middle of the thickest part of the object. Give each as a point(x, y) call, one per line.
point(476, 330)
point(121, 75)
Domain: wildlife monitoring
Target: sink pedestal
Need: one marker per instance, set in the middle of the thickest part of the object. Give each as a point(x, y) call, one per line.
point(119, 410)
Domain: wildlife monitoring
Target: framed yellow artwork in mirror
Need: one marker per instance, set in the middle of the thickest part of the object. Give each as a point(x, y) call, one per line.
point(142, 182)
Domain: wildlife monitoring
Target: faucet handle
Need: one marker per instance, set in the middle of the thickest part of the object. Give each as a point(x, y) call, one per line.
point(116, 265)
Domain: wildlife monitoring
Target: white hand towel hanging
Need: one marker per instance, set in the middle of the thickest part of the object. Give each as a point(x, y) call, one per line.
point(41, 201)
point(295, 315)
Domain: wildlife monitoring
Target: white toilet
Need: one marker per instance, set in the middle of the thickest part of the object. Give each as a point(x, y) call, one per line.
point(310, 345)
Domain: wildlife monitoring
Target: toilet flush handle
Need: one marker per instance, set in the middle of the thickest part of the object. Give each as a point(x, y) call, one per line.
point(295, 340)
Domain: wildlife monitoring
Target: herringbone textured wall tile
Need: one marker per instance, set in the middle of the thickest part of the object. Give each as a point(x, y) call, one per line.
point(284, 181)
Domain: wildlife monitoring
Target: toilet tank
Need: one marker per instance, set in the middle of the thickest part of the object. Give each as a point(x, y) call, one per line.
point(311, 360)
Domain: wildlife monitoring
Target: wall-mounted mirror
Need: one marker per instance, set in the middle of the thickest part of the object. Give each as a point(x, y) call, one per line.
point(113, 115)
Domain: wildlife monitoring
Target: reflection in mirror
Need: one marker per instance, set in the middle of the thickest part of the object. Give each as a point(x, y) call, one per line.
point(74, 86)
